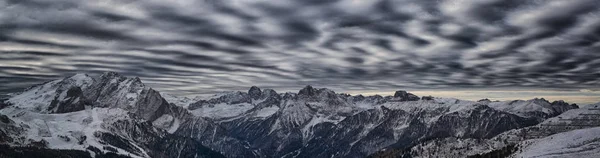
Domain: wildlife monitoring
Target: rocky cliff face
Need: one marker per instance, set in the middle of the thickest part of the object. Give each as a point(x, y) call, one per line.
point(116, 114)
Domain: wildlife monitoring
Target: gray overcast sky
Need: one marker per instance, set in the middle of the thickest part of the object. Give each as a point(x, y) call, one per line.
point(192, 47)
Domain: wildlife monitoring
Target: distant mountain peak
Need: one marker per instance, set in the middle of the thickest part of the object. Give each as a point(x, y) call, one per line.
point(307, 91)
point(405, 96)
point(111, 73)
point(254, 92)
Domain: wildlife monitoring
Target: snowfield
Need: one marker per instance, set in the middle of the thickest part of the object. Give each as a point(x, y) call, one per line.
point(73, 130)
point(583, 143)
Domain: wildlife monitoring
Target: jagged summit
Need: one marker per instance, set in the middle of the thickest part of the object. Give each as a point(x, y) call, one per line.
point(111, 74)
point(307, 91)
point(405, 96)
point(540, 100)
point(254, 92)
point(563, 103)
point(486, 100)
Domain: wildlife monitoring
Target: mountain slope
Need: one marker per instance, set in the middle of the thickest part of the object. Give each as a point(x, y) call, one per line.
point(576, 143)
point(105, 114)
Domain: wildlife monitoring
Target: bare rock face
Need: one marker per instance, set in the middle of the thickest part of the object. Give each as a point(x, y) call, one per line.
point(151, 105)
point(5, 119)
point(405, 96)
point(561, 106)
point(255, 92)
point(484, 101)
point(427, 98)
point(271, 99)
point(113, 90)
point(3, 103)
point(307, 91)
point(74, 101)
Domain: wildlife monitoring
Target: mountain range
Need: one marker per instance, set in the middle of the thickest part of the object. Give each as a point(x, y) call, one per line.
point(116, 116)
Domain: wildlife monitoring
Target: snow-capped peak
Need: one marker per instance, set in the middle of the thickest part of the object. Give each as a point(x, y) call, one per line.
point(45, 97)
point(533, 107)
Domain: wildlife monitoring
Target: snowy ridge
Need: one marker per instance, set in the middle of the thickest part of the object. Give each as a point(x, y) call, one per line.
point(38, 98)
point(533, 107)
point(577, 143)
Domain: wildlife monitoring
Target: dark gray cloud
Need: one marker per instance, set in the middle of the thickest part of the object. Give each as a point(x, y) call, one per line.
point(193, 47)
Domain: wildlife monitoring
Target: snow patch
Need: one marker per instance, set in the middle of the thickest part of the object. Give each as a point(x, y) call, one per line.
point(65, 131)
point(266, 112)
point(222, 110)
point(520, 107)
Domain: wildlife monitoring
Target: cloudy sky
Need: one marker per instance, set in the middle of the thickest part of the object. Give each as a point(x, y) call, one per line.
point(536, 47)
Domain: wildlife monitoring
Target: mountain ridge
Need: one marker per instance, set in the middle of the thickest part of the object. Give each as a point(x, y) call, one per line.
point(260, 123)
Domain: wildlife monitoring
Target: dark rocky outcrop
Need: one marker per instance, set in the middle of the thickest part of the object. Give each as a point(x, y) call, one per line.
point(255, 92)
point(427, 98)
point(74, 101)
point(561, 106)
point(271, 99)
point(151, 105)
point(307, 91)
point(405, 96)
point(486, 100)
point(5, 119)
point(4, 103)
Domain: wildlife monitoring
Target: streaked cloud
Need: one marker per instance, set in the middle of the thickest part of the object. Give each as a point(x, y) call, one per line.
point(193, 47)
